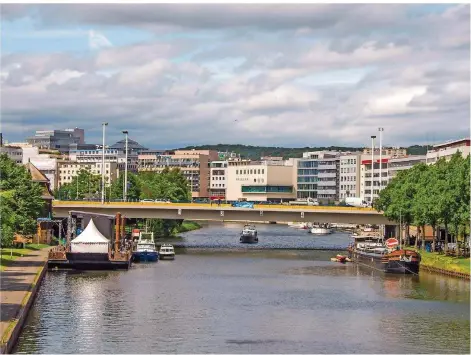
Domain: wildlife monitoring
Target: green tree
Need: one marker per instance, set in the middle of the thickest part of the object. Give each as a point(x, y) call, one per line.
point(134, 189)
point(20, 199)
point(83, 185)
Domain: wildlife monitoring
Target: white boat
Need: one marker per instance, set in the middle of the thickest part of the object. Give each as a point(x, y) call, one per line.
point(145, 250)
point(322, 229)
point(167, 252)
point(299, 225)
point(249, 234)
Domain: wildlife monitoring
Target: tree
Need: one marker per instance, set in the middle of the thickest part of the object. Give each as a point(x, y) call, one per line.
point(84, 184)
point(134, 189)
point(20, 200)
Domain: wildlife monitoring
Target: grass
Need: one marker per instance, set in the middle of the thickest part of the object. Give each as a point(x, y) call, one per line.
point(8, 255)
point(443, 262)
point(188, 226)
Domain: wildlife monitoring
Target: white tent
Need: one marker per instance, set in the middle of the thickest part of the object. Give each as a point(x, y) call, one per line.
point(90, 241)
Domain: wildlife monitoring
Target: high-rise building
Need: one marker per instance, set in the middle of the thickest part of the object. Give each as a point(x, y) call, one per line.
point(57, 139)
point(317, 175)
point(349, 175)
point(218, 179)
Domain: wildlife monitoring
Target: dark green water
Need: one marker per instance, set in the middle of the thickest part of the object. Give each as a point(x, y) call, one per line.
point(248, 301)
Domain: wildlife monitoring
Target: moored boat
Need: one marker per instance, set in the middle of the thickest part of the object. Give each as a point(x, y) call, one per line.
point(321, 229)
point(145, 249)
point(370, 251)
point(167, 252)
point(249, 234)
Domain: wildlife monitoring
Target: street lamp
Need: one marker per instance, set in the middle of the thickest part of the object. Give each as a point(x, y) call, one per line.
point(104, 124)
point(125, 193)
point(372, 165)
point(380, 129)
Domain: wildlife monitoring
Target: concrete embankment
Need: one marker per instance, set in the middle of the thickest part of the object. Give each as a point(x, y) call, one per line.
point(19, 284)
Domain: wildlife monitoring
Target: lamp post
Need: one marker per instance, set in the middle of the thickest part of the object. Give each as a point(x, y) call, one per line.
point(125, 193)
point(380, 129)
point(104, 124)
point(372, 165)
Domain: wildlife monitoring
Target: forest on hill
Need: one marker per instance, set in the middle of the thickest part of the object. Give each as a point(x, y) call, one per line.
point(255, 152)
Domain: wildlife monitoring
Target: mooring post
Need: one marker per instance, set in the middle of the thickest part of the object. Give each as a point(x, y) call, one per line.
point(117, 233)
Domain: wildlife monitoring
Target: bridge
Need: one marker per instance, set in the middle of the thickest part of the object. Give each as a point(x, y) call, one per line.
point(225, 212)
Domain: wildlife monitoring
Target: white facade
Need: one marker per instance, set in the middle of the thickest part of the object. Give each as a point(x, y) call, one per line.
point(447, 149)
point(260, 181)
point(15, 153)
point(366, 176)
point(218, 178)
point(68, 170)
point(46, 163)
point(349, 176)
point(111, 156)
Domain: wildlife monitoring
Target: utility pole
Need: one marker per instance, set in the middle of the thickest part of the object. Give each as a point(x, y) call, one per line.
point(104, 124)
point(380, 129)
point(125, 193)
point(372, 166)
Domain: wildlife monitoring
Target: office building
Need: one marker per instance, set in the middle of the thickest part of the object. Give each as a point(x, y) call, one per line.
point(349, 175)
point(67, 170)
point(58, 139)
point(447, 149)
point(398, 164)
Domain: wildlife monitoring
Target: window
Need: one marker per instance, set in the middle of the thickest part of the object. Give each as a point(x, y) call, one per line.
point(263, 172)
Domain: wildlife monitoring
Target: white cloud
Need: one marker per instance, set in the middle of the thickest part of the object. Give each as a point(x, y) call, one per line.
point(97, 40)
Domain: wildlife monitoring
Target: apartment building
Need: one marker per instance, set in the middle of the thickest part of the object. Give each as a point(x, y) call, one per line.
point(218, 179)
point(349, 175)
point(67, 170)
point(447, 149)
point(398, 164)
point(369, 176)
point(259, 181)
point(194, 164)
point(317, 175)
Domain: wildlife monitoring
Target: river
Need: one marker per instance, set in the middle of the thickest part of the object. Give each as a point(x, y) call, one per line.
point(248, 299)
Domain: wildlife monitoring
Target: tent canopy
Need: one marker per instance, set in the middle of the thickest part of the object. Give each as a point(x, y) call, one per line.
point(90, 241)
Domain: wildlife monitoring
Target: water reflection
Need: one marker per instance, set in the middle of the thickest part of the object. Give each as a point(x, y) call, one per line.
point(248, 301)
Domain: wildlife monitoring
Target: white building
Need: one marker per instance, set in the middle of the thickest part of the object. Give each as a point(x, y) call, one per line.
point(447, 149)
point(218, 179)
point(46, 163)
point(67, 170)
point(111, 155)
point(366, 176)
point(317, 175)
point(398, 164)
point(13, 152)
point(349, 175)
point(259, 181)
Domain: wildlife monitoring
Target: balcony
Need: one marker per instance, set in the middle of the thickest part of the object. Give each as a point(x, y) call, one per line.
point(326, 192)
point(327, 183)
point(326, 175)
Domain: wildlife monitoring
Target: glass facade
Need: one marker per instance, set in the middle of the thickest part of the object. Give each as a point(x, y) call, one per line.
point(267, 189)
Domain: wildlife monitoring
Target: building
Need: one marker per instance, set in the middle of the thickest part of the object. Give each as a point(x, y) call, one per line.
point(447, 149)
point(57, 139)
point(349, 175)
point(317, 175)
point(194, 165)
point(259, 181)
point(38, 177)
point(13, 152)
point(218, 179)
point(134, 148)
point(397, 164)
point(67, 170)
point(391, 151)
point(366, 173)
point(112, 155)
point(45, 161)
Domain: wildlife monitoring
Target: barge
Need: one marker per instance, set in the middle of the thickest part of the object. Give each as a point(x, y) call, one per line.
point(91, 250)
point(371, 252)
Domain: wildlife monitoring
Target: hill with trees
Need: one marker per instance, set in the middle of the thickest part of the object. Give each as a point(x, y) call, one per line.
point(255, 152)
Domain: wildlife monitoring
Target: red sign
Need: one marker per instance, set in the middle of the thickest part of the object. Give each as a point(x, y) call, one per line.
point(392, 242)
point(135, 232)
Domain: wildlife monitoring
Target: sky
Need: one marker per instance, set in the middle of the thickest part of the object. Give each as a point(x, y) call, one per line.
point(279, 75)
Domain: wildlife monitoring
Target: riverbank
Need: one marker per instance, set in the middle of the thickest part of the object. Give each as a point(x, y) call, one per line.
point(19, 282)
point(9, 255)
point(188, 226)
point(448, 265)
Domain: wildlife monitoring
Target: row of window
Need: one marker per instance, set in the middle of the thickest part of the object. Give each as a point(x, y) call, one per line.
point(218, 185)
point(348, 170)
point(267, 189)
point(348, 161)
point(348, 178)
point(250, 171)
point(218, 178)
point(347, 187)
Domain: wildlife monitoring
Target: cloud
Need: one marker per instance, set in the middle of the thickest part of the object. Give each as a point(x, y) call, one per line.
point(293, 75)
point(97, 40)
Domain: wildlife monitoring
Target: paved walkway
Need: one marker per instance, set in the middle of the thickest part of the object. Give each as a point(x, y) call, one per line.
point(15, 283)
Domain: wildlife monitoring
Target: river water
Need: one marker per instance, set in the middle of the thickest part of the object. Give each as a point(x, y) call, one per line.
point(248, 299)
